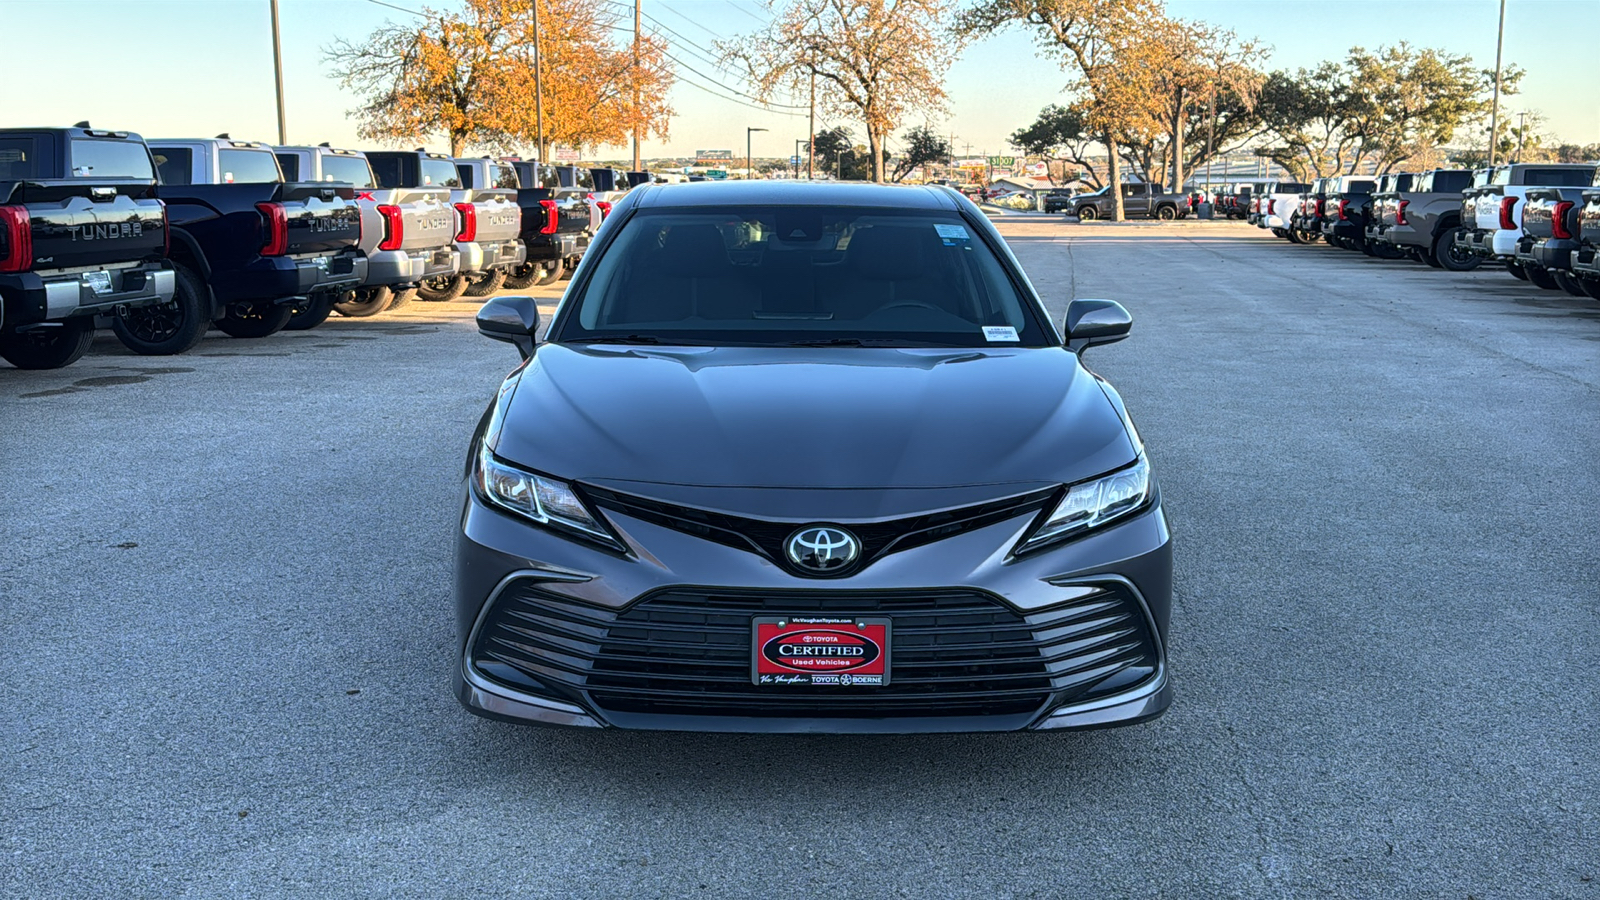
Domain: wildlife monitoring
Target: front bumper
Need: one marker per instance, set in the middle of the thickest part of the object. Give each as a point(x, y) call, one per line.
point(481, 256)
point(546, 626)
point(30, 297)
point(411, 266)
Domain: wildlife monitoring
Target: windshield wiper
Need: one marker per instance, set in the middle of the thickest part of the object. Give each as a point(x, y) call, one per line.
point(624, 339)
point(859, 342)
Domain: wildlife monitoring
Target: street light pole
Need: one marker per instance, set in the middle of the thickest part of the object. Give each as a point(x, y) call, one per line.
point(1494, 111)
point(749, 170)
point(538, 84)
point(636, 166)
point(277, 72)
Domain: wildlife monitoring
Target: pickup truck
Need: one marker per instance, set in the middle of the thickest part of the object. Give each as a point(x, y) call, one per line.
point(555, 225)
point(479, 177)
point(1138, 201)
point(407, 234)
point(1342, 222)
point(1279, 202)
point(1305, 224)
point(1378, 212)
point(1550, 229)
point(487, 220)
point(1420, 222)
point(609, 186)
point(1492, 209)
point(248, 244)
point(82, 234)
point(1586, 259)
point(1058, 200)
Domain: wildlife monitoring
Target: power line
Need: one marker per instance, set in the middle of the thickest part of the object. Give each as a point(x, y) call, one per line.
point(400, 8)
point(748, 12)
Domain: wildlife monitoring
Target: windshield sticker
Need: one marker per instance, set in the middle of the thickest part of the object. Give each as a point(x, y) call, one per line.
point(993, 333)
point(951, 234)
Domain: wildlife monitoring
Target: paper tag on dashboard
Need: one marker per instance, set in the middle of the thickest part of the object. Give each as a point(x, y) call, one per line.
point(993, 333)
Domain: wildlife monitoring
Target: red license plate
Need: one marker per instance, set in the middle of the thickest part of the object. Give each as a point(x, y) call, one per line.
point(791, 651)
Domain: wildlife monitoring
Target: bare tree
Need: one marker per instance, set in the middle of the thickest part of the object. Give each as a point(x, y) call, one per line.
point(876, 61)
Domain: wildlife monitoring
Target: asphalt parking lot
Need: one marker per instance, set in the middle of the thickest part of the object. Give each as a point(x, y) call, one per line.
point(227, 627)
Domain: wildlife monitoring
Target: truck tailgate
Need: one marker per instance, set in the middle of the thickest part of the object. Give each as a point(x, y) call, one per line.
point(323, 218)
point(91, 223)
point(499, 216)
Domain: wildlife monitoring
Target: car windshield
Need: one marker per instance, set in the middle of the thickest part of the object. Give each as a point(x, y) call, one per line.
point(771, 276)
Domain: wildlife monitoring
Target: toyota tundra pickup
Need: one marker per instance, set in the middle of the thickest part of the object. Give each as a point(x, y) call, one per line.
point(82, 234)
point(487, 218)
point(1421, 222)
point(1378, 212)
point(246, 246)
point(1305, 225)
point(479, 177)
point(1278, 205)
point(1492, 209)
point(1586, 258)
point(1342, 222)
point(1550, 228)
point(407, 234)
point(555, 225)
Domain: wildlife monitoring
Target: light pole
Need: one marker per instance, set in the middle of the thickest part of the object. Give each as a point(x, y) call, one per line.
point(277, 72)
point(749, 171)
point(1494, 111)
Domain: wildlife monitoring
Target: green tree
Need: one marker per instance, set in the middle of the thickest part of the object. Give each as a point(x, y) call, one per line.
point(1058, 135)
point(922, 146)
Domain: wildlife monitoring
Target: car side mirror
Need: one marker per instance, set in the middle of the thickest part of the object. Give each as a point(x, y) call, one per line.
point(1091, 322)
point(514, 320)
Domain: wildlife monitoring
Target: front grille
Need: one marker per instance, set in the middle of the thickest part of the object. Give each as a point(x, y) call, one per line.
point(687, 652)
point(767, 537)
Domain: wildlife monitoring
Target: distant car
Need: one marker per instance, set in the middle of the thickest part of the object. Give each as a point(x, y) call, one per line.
point(808, 458)
point(1058, 200)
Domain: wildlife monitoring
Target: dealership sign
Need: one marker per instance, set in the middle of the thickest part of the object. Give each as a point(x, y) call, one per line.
point(713, 157)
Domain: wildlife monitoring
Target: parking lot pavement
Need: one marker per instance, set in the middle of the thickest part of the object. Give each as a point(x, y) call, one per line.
point(227, 631)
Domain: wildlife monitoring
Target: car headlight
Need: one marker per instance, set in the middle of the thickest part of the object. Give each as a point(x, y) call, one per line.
point(538, 498)
point(1091, 504)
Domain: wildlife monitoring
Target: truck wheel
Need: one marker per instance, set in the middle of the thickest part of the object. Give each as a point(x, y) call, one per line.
point(1088, 214)
point(1451, 257)
point(1569, 283)
point(167, 328)
point(523, 276)
point(1166, 213)
point(441, 288)
point(1517, 271)
point(1591, 286)
point(485, 284)
point(48, 348)
point(402, 298)
point(1540, 276)
point(254, 318)
point(307, 314)
point(363, 301)
point(552, 273)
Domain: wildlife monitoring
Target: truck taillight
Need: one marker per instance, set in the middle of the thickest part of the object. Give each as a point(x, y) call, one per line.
point(1506, 205)
point(1400, 213)
point(16, 239)
point(1343, 205)
point(469, 222)
point(605, 208)
point(394, 227)
point(276, 239)
point(1558, 222)
point(1272, 207)
point(1322, 208)
point(549, 207)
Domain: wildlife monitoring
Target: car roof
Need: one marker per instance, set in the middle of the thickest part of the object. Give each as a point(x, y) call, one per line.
point(795, 193)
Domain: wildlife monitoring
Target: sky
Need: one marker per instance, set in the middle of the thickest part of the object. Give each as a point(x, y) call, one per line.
point(215, 65)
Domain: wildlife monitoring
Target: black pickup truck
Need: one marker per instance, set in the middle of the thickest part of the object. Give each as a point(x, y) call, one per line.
point(246, 246)
point(82, 234)
point(1551, 223)
point(1586, 258)
point(555, 225)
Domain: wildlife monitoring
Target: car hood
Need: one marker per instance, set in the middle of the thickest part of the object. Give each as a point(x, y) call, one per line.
point(864, 418)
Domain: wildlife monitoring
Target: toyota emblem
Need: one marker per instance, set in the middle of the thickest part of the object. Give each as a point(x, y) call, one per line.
point(823, 550)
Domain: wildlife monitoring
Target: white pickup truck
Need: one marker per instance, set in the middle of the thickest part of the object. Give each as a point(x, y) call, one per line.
point(1491, 209)
point(1278, 204)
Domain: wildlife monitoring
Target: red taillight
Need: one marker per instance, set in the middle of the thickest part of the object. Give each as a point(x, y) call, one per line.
point(16, 254)
point(1400, 213)
point(1343, 204)
point(605, 208)
point(1558, 222)
point(394, 227)
point(1272, 207)
point(276, 242)
point(1506, 221)
point(469, 222)
point(1322, 206)
point(549, 207)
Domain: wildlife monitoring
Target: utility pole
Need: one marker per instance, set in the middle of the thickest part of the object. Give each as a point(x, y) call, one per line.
point(749, 170)
point(636, 166)
point(538, 84)
point(277, 72)
point(811, 134)
point(1494, 111)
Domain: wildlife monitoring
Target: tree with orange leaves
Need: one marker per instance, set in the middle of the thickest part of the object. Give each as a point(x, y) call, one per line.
point(470, 75)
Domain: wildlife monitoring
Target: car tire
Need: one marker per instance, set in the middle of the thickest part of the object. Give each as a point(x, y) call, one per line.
point(254, 318)
point(1540, 276)
point(48, 348)
point(402, 298)
point(361, 302)
point(1568, 282)
point(1431, 258)
point(311, 312)
point(552, 273)
point(442, 288)
point(523, 276)
point(486, 283)
point(1451, 258)
point(1591, 286)
point(1166, 213)
point(167, 329)
point(1088, 214)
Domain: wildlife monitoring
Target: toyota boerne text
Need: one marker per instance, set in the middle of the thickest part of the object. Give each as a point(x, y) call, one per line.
point(796, 457)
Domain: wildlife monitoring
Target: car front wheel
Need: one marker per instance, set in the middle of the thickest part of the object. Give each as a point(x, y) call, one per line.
point(164, 329)
point(1088, 214)
point(1166, 213)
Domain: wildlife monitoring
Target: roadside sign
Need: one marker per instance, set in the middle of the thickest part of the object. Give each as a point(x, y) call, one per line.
point(1002, 160)
point(566, 154)
point(712, 157)
point(794, 160)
